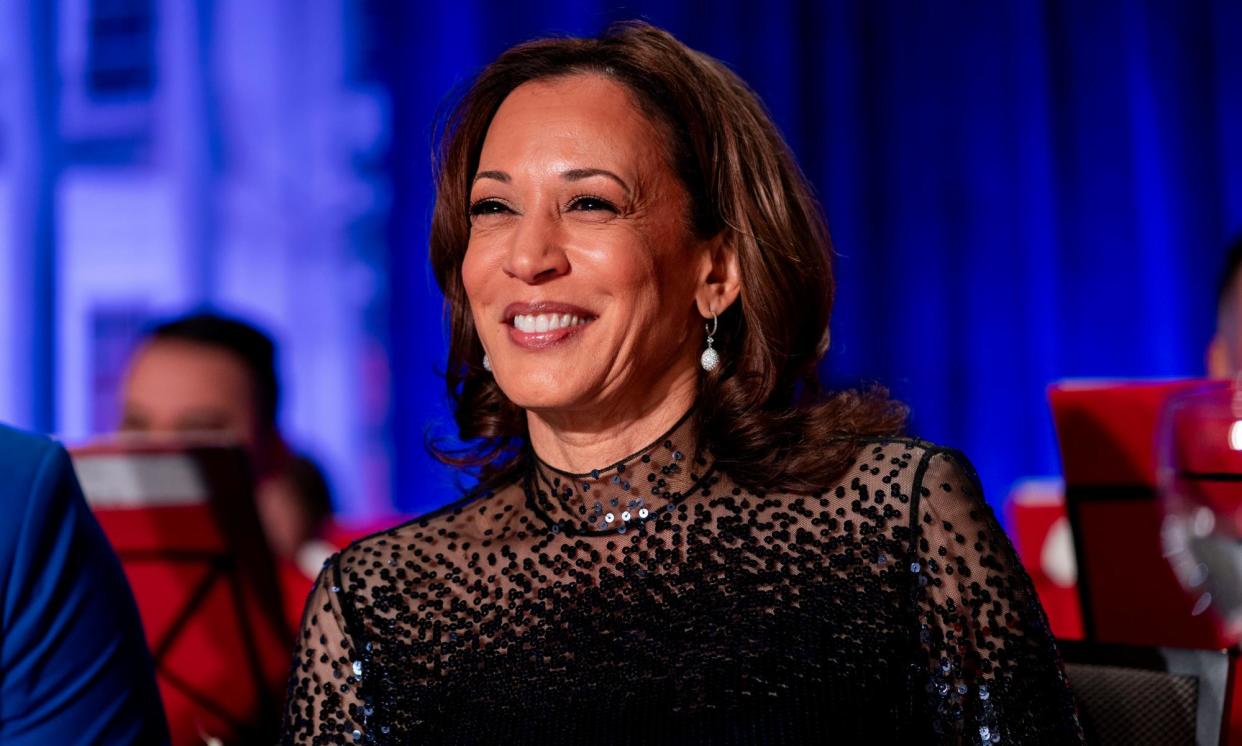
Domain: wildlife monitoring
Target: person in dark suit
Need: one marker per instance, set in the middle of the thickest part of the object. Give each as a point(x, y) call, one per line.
point(74, 666)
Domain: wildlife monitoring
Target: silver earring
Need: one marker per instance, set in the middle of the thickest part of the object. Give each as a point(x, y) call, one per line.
point(710, 358)
point(487, 363)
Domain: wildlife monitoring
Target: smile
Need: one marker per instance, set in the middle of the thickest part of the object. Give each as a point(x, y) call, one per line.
point(535, 326)
point(546, 322)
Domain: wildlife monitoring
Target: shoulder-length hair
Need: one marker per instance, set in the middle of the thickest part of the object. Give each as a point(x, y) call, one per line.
point(761, 414)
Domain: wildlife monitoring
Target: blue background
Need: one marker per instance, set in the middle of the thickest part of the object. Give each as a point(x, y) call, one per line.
point(1019, 192)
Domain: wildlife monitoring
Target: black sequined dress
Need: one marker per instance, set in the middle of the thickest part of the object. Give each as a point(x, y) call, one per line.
point(655, 601)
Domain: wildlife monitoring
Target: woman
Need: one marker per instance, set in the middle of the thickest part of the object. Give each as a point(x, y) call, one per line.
point(633, 264)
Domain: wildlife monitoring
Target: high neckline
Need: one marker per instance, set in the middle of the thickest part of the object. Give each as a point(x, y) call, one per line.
point(624, 494)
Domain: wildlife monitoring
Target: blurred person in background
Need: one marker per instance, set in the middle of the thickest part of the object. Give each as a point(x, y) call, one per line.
point(210, 373)
point(1224, 353)
point(74, 665)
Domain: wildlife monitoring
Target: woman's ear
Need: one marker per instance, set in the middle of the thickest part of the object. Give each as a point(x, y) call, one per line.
point(720, 276)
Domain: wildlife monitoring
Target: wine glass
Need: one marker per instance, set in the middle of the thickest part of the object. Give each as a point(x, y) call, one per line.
point(1199, 475)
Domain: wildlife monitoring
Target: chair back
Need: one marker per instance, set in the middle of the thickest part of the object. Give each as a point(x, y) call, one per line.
point(1129, 592)
point(183, 522)
point(1135, 696)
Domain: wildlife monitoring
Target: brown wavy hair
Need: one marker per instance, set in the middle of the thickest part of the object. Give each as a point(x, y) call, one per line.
point(761, 413)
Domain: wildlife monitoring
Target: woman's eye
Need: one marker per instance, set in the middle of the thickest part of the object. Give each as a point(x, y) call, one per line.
point(588, 203)
point(488, 207)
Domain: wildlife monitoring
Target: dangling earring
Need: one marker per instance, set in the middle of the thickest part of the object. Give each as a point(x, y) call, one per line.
point(487, 363)
point(710, 358)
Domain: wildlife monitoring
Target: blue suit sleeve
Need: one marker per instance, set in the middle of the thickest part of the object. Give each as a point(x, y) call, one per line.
point(74, 666)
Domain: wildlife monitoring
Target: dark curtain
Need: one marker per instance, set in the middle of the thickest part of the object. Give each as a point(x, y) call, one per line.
point(1019, 192)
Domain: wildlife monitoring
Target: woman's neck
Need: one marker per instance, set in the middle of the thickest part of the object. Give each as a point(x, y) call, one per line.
point(581, 440)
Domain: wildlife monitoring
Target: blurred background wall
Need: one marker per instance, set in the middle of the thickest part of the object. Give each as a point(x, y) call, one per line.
point(1018, 191)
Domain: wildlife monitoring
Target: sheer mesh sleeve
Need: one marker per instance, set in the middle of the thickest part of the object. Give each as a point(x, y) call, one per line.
point(992, 673)
point(324, 705)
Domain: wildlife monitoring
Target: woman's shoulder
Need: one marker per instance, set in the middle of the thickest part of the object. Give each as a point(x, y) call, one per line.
point(903, 455)
point(919, 469)
point(469, 521)
point(941, 495)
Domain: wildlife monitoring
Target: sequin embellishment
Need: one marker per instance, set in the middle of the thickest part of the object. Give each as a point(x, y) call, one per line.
point(885, 607)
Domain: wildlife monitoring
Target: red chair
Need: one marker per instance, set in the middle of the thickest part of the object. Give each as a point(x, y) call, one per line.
point(1042, 535)
point(1128, 591)
point(182, 520)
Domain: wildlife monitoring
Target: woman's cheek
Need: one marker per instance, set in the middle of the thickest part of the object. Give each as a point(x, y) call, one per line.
point(620, 268)
point(474, 273)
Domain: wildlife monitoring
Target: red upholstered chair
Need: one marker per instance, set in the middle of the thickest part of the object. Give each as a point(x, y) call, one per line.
point(1107, 433)
point(1128, 591)
point(182, 520)
point(1041, 533)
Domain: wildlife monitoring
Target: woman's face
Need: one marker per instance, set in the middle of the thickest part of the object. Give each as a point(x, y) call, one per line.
point(581, 269)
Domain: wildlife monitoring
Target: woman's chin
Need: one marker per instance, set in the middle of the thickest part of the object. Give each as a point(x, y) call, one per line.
point(540, 393)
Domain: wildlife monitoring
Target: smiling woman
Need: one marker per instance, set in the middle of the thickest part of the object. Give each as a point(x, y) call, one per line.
point(662, 153)
point(577, 214)
point(661, 549)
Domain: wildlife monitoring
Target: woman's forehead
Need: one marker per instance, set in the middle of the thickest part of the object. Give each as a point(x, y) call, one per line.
point(575, 117)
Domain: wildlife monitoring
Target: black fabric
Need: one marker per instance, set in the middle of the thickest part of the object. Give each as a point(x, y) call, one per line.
point(888, 608)
point(1133, 707)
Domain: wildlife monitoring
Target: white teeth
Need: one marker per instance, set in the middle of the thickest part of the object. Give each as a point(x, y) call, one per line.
point(535, 324)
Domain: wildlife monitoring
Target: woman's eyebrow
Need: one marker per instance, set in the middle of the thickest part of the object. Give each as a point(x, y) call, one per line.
point(500, 176)
point(577, 174)
point(573, 174)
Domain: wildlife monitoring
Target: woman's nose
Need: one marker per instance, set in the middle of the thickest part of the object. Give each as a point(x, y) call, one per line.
point(536, 253)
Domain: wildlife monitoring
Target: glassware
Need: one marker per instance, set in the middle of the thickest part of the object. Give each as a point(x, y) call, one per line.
point(1199, 476)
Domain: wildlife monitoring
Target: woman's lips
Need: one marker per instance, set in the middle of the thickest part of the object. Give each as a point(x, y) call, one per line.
point(541, 340)
point(535, 326)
